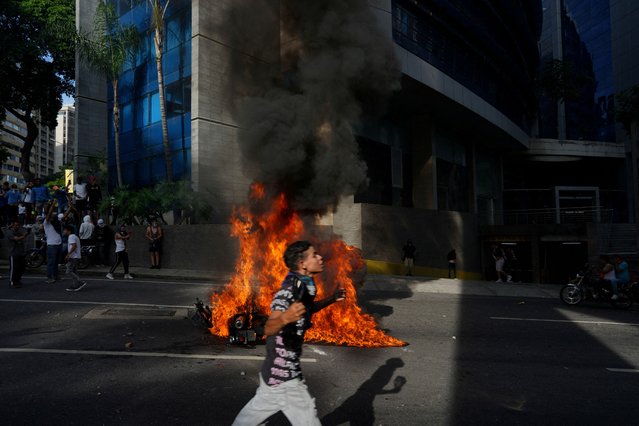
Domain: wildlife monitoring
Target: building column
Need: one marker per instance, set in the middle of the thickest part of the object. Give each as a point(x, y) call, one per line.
point(424, 164)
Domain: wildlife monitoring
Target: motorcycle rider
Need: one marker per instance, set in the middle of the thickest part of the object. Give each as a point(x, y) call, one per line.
point(622, 275)
point(608, 274)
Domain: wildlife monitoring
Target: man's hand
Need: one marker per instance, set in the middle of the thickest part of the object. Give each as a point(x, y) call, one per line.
point(339, 295)
point(294, 313)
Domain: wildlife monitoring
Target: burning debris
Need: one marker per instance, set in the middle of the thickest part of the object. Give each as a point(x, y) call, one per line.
point(297, 140)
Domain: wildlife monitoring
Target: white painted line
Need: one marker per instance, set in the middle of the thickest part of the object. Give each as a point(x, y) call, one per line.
point(85, 302)
point(622, 370)
point(140, 354)
point(147, 281)
point(566, 321)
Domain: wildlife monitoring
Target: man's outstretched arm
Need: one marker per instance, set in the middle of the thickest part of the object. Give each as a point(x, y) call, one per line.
point(340, 294)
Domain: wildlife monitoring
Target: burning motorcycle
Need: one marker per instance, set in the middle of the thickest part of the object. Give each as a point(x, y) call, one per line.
point(586, 287)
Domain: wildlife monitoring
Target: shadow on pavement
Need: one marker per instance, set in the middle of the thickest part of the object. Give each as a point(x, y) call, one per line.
point(358, 408)
point(512, 366)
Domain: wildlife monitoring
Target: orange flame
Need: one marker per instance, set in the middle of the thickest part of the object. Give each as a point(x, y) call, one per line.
point(260, 269)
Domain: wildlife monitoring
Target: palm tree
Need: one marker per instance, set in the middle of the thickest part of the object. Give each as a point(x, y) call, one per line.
point(157, 24)
point(107, 49)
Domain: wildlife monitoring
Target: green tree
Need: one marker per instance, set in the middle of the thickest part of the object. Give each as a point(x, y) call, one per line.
point(157, 25)
point(107, 49)
point(37, 67)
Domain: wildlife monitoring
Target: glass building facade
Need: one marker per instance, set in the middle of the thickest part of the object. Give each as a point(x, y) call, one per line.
point(583, 48)
point(488, 47)
point(141, 147)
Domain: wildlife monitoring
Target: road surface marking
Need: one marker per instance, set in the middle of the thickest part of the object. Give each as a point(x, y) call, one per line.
point(85, 302)
point(622, 370)
point(145, 280)
point(568, 321)
point(140, 354)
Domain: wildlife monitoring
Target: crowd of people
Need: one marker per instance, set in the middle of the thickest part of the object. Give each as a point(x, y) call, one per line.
point(66, 221)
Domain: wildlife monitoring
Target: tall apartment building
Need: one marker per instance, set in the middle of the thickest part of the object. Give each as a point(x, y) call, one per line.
point(42, 154)
point(10, 170)
point(65, 146)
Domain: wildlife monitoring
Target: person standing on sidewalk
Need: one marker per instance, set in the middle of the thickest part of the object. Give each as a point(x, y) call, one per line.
point(16, 235)
point(154, 234)
point(86, 231)
point(282, 386)
point(81, 196)
point(72, 258)
point(452, 263)
point(121, 254)
point(103, 237)
point(408, 257)
point(53, 233)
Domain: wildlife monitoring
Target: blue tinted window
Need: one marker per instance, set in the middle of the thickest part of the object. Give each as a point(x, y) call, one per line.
point(127, 118)
point(142, 112)
point(155, 107)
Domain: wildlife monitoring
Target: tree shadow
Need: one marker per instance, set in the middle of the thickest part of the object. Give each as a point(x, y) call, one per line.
point(358, 408)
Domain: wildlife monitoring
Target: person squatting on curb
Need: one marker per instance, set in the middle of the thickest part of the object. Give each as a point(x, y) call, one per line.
point(282, 386)
point(121, 254)
point(74, 250)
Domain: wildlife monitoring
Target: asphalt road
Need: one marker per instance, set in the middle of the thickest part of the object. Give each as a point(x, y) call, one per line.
point(109, 355)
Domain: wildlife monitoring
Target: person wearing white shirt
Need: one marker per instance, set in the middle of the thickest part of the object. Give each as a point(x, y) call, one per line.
point(72, 258)
point(52, 231)
point(81, 195)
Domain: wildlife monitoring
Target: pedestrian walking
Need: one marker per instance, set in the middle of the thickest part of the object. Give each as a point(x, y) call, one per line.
point(408, 257)
point(74, 250)
point(452, 263)
point(121, 254)
point(282, 386)
point(53, 233)
point(16, 236)
point(500, 258)
point(154, 234)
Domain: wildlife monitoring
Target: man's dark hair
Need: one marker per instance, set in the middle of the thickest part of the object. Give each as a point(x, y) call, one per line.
point(69, 228)
point(294, 253)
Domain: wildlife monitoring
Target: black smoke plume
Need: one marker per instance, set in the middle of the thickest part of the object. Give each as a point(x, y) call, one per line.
point(296, 131)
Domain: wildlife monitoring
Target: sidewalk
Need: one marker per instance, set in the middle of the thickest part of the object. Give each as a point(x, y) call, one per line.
point(377, 283)
point(386, 283)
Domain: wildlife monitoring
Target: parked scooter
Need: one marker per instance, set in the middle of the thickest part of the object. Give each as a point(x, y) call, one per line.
point(586, 287)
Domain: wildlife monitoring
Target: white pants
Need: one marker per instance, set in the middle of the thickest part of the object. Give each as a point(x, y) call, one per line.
point(291, 398)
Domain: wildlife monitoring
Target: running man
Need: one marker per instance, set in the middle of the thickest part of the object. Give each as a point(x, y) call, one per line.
point(282, 386)
point(73, 257)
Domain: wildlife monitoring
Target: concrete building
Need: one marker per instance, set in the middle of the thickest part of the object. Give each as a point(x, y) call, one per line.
point(434, 161)
point(10, 170)
point(65, 145)
point(42, 153)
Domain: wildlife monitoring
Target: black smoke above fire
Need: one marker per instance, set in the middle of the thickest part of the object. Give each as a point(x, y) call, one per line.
point(296, 132)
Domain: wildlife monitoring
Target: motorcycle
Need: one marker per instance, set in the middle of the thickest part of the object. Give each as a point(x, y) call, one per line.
point(87, 254)
point(586, 287)
point(37, 256)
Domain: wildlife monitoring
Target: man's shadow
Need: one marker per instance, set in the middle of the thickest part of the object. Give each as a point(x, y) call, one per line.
point(358, 408)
